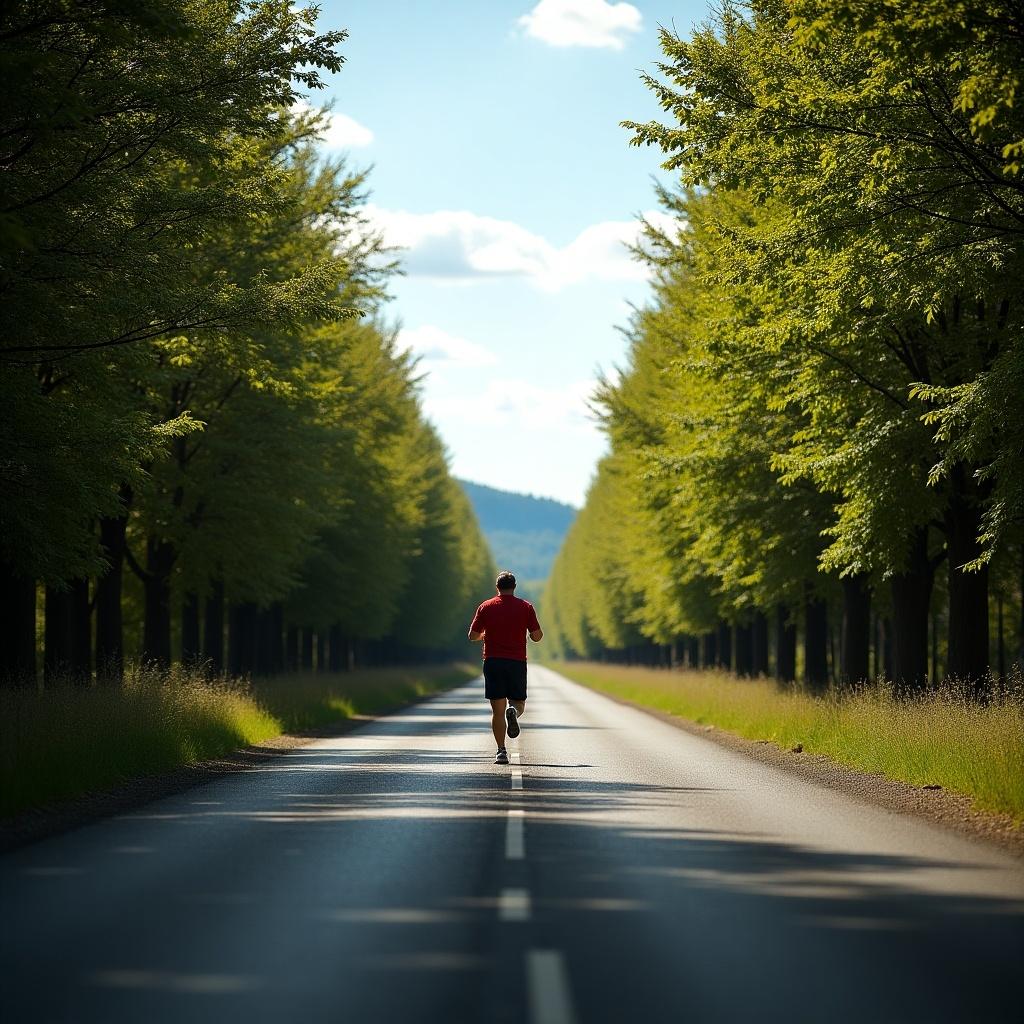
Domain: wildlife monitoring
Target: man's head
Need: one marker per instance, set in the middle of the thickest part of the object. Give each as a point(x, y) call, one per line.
point(506, 582)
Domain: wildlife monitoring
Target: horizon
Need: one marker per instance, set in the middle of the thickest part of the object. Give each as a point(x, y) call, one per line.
point(518, 494)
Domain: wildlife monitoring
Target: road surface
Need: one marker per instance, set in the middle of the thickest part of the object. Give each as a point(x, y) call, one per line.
point(618, 870)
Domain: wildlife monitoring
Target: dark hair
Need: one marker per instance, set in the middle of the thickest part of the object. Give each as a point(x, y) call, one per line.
point(505, 580)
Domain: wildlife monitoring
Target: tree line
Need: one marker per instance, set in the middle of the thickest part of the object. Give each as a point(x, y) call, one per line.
point(211, 448)
point(820, 428)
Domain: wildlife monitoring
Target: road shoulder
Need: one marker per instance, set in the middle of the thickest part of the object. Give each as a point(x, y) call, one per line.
point(937, 806)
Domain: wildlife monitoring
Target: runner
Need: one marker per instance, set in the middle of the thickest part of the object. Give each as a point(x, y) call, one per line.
point(503, 624)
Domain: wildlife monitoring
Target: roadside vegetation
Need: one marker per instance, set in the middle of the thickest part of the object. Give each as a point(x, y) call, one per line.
point(939, 737)
point(71, 740)
point(212, 445)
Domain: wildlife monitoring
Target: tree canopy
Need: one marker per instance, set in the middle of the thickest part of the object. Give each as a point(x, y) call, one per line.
point(822, 403)
point(208, 434)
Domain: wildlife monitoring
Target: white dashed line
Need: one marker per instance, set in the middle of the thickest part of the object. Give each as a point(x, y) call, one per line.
point(515, 846)
point(548, 984)
point(514, 905)
point(517, 772)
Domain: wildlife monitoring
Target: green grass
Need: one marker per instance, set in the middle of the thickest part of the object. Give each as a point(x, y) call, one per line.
point(67, 741)
point(306, 701)
point(937, 738)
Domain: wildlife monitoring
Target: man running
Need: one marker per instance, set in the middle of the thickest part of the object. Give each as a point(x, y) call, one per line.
point(503, 624)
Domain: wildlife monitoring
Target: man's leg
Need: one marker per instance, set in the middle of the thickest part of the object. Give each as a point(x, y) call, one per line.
point(516, 703)
point(498, 721)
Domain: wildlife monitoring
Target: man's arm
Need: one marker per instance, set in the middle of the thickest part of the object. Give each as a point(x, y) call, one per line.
point(477, 627)
point(534, 631)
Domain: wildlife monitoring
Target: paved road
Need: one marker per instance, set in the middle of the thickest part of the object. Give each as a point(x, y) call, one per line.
point(618, 870)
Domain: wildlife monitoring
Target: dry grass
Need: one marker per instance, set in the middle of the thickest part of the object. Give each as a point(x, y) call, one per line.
point(937, 738)
point(69, 740)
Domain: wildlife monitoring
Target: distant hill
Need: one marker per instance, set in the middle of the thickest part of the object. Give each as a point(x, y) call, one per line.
point(524, 532)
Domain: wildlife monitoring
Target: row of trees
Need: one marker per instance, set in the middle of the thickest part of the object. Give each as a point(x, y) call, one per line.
point(821, 425)
point(210, 447)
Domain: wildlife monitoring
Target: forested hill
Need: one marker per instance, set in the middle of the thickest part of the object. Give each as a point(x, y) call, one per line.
point(524, 532)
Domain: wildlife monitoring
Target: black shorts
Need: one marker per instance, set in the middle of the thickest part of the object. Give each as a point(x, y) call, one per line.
point(504, 677)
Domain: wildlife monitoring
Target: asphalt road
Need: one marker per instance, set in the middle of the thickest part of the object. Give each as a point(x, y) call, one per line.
point(618, 870)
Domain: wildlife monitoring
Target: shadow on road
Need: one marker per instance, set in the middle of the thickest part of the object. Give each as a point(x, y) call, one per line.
point(364, 881)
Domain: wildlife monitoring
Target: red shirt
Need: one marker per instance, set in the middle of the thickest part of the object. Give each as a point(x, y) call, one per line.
point(504, 621)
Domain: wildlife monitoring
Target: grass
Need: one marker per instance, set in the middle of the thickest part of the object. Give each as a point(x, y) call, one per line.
point(70, 740)
point(938, 738)
point(306, 701)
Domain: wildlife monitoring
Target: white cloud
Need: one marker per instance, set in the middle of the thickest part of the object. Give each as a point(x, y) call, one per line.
point(436, 347)
point(593, 23)
point(344, 132)
point(340, 131)
point(457, 245)
point(511, 401)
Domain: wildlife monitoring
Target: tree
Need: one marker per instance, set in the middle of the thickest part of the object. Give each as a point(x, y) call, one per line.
point(899, 173)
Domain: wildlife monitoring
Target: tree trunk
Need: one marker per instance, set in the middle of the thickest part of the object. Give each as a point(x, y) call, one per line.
point(724, 646)
point(17, 628)
point(744, 649)
point(833, 662)
point(1000, 645)
point(266, 646)
point(335, 648)
point(291, 649)
point(276, 620)
point(815, 643)
point(213, 629)
point(967, 657)
point(68, 651)
point(759, 644)
point(886, 627)
point(190, 647)
point(709, 650)
point(109, 616)
point(242, 638)
point(911, 596)
point(1020, 620)
point(81, 631)
point(855, 640)
point(156, 627)
point(785, 645)
point(321, 650)
point(876, 646)
point(693, 652)
point(307, 648)
point(57, 635)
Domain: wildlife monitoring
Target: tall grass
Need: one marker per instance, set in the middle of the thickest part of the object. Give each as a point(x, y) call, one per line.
point(940, 737)
point(305, 701)
point(69, 740)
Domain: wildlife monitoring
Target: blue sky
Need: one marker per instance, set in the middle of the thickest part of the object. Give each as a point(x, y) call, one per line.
point(500, 166)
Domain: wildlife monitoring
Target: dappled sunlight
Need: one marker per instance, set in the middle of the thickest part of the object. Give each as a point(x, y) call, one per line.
point(378, 855)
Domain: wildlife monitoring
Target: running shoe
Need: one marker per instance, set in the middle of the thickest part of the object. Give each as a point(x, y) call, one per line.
point(501, 757)
point(511, 722)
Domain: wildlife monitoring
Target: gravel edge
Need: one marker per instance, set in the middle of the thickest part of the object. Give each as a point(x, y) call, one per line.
point(938, 806)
